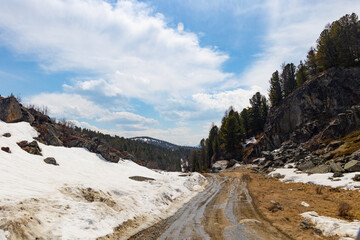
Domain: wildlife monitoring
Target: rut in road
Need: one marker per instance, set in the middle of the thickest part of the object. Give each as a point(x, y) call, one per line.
point(224, 210)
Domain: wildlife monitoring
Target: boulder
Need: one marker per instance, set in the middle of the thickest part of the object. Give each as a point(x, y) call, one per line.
point(6, 149)
point(319, 169)
point(12, 111)
point(32, 147)
point(352, 166)
point(7, 135)
point(336, 167)
point(51, 136)
point(51, 160)
point(355, 155)
point(306, 165)
point(337, 175)
point(356, 177)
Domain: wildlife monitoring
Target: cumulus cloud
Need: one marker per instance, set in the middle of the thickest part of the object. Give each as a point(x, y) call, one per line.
point(129, 46)
point(292, 28)
point(72, 106)
point(238, 98)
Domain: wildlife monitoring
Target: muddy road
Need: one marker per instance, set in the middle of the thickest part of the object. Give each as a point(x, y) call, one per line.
point(225, 210)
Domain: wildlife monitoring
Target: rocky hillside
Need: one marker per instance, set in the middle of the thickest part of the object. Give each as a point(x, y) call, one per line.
point(111, 148)
point(317, 123)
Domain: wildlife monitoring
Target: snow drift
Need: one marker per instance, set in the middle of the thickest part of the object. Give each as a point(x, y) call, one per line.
point(84, 197)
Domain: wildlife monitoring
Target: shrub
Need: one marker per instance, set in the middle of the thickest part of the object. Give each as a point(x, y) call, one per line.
point(344, 210)
point(319, 189)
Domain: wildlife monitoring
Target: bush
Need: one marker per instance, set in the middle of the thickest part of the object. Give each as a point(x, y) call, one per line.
point(319, 189)
point(344, 210)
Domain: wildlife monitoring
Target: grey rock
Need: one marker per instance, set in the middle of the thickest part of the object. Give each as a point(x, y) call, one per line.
point(267, 155)
point(356, 177)
point(319, 169)
point(337, 175)
point(32, 147)
point(51, 160)
point(336, 167)
point(355, 155)
point(352, 166)
point(305, 166)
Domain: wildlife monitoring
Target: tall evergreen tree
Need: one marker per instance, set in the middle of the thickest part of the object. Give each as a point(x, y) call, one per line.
point(264, 109)
point(211, 152)
point(301, 74)
point(310, 62)
point(256, 122)
point(275, 93)
point(231, 136)
point(287, 79)
point(245, 122)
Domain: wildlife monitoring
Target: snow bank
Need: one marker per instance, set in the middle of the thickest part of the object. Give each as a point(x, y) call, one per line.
point(333, 226)
point(292, 175)
point(84, 197)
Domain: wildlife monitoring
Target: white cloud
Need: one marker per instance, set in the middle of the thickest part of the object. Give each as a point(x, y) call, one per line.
point(132, 49)
point(121, 117)
point(62, 105)
point(180, 27)
point(72, 106)
point(238, 98)
point(292, 28)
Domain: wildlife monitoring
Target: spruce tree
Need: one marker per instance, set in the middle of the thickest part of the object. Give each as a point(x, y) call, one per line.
point(301, 74)
point(275, 93)
point(287, 79)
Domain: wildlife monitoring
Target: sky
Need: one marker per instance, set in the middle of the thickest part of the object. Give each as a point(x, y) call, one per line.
point(161, 68)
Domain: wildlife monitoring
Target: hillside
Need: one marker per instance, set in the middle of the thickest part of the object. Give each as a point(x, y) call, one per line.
point(112, 148)
point(160, 143)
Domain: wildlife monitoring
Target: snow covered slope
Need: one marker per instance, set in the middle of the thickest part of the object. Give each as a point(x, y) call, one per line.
point(84, 197)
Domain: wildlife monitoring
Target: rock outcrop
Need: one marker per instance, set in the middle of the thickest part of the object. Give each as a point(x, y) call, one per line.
point(12, 111)
point(311, 127)
point(322, 108)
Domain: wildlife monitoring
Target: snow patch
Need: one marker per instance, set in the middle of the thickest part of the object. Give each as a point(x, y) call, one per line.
point(84, 197)
point(333, 226)
point(293, 175)
point(305, 204)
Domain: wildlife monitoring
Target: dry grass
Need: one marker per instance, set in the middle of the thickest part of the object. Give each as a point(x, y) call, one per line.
point(290, 196)
point(351, 144)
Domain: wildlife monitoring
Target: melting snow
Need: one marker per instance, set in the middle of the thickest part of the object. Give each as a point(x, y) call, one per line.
point(84, 197)
point(292, 175)
point(333, 226)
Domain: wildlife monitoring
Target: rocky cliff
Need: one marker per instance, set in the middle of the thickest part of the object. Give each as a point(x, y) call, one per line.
point(322, 110)
point(325, 107)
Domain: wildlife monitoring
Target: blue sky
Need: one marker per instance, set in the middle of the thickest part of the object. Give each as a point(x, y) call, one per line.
point(160, 68)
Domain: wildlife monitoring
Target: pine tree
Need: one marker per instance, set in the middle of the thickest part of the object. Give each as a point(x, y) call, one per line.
point(287, 79)
point(301, 74)
point(275, 93)
point(231, 135)
point(264, 109)
point(310, 62)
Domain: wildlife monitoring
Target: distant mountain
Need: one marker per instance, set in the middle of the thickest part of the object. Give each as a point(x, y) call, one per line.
point(161, 143)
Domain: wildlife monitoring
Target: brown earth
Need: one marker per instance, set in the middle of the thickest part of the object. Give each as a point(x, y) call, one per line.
point(323, 200)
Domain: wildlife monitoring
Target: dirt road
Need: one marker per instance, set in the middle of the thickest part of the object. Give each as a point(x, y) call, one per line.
point(225, 210)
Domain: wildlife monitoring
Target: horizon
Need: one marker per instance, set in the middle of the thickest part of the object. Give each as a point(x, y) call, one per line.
point(160, 69)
